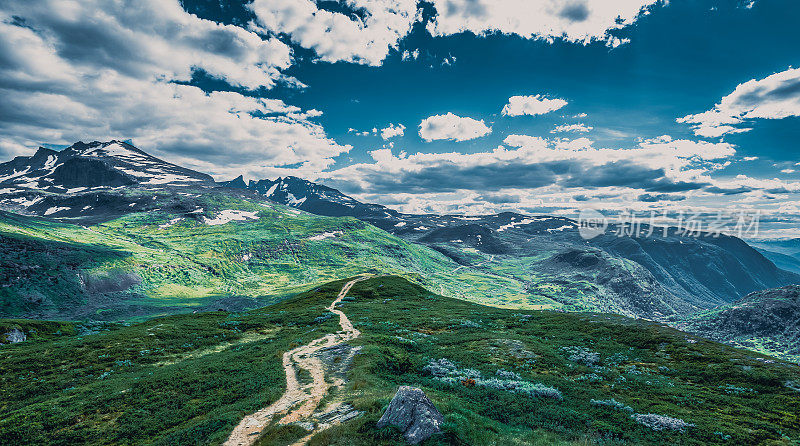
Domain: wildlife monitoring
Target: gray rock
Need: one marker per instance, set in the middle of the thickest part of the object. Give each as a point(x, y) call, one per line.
point(413, 414)
point(16, 335)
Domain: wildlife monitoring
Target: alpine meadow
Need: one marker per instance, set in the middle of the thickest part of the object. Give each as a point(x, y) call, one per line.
point(394, 222)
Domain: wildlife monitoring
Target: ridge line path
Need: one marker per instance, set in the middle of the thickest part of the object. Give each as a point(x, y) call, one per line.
point(247, 431)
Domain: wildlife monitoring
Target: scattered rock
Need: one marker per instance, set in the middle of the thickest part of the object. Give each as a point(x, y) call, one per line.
point(16, 335)
point(413, 414)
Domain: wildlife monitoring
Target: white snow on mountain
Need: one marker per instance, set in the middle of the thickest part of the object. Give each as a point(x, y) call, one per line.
point(560, 228)
point(230, 215)
point(55, 209)
point(325, 235)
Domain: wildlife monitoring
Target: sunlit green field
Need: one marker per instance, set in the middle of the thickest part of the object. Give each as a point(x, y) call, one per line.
point(164, 261)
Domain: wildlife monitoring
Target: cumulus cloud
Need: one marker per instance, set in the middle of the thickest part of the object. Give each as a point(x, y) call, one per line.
point(452, 127)
point(660, 165)
point(111, 69)
point(581, 21)
point(392, 130)
point(335, 36)
point(531, 105)
point(774, 97)
point(575, 128)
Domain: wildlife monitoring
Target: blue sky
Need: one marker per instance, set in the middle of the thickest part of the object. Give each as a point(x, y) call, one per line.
point(636, 104)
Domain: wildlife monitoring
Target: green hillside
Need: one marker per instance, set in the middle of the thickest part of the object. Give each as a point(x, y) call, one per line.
point(183, 257)
point(580, 378)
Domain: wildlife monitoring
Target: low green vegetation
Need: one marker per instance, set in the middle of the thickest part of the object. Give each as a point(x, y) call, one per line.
point(187, 256)
point(498, 376)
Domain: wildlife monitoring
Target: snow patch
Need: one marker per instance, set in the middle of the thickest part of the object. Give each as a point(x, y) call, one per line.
point(514, 224)
point(230, 215)
point(51, 161)
point(24, 201)
point(55, 209)
point(169, 223)
point(325, 235)
point(400, 225)
point(559, 229)
point(272, 190)
point(294, 201)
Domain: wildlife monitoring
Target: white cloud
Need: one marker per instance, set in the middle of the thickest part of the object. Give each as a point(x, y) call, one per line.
point(775, 97)
point(107, 70)
point(392, 131)
point(452, 127)
point(576, 128)
point(573, 20)
point(682, 160)
point(531, 105)
point(339, 37)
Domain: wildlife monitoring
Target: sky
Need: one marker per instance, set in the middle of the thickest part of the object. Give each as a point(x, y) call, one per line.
point(444, 106)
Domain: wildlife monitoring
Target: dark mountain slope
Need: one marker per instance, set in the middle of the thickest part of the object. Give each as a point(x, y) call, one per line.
point(766, 321)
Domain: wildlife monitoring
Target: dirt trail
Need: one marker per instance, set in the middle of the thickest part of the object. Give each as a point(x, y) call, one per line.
point(307, 397)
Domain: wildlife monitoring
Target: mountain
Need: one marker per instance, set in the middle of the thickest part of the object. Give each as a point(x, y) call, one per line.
point(96, 164)
point(658, 277)
point(129, 201)
point(312, 197)
point(93, 180)
point(784, 253)
point(767, 321)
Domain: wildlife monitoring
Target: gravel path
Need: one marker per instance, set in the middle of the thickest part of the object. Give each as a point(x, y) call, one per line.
point(298, 402)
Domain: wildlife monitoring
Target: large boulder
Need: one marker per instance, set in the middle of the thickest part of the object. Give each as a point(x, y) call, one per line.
point(15, 335)
point(413, 414)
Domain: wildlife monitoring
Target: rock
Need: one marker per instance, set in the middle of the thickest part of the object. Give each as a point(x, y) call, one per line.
point(16, 335)
point(413, 414)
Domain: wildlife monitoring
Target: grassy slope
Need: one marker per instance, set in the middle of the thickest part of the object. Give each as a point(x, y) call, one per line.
point(188, 379)
point(61, 270)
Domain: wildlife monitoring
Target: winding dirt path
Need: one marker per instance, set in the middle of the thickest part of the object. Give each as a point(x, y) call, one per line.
point(307, 397)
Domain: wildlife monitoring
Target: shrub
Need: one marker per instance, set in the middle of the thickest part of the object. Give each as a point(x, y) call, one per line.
point(582, 355)
point(506, 374)
point(660, 422)
point(612, 404)
point(445, 371)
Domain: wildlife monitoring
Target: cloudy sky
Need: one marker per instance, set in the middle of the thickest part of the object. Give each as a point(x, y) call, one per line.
point(469, 106)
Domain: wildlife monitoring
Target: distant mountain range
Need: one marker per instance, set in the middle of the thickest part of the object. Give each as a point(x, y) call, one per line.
point(655, 277)
point(508, 259)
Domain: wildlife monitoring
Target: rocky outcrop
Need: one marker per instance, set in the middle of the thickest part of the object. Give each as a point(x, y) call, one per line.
point(16, 335)
point(413, 414)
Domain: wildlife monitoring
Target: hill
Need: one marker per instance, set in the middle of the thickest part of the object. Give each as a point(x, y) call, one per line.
point(591, 378)
point(196, 251)
point(767, 321)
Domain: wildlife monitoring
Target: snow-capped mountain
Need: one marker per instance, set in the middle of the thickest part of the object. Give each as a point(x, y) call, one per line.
point(86, 179)
point(96, 164)
point(313, 197)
